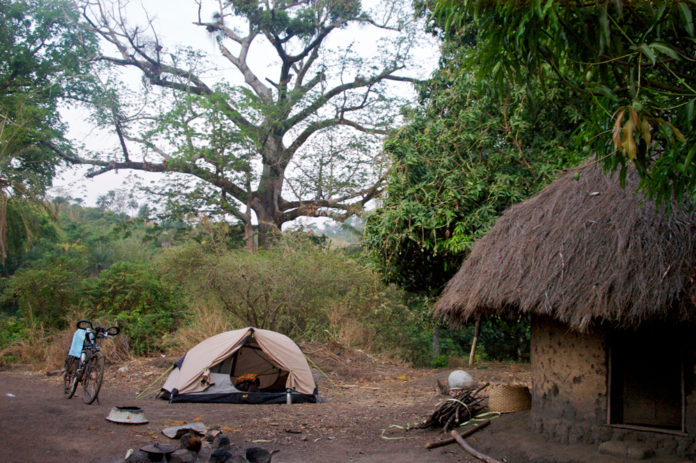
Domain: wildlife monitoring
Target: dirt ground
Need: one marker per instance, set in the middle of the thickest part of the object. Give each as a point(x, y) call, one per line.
point(363, 402)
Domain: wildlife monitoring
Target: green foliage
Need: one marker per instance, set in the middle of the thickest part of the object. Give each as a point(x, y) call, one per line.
point(74, 264)
point(127, 286)
point(280, 288)
point(466, 154)
point(12, 329)
point(297, 287)
point(108, 236)
point(47, 289)
point(463, 158)
point(293, 19)
point(631, 63)
point(505, 339)
point(440, 361)
point(28, 223)
point(148, 332)
point(146, 308)
point(500, 339)
point(41, 64)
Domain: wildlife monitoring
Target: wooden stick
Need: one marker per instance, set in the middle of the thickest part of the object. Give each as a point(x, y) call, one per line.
point(477, 329)
point(451, 440)
point(473, 451)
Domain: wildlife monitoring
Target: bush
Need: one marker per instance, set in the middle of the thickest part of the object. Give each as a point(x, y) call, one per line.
point(440, 361)
point(12, 329)
point(506, 338)
point(147, 332)
point(145, 307)
point(297, 287)
point(18, 344)
point(49, 288)
point(203, 321)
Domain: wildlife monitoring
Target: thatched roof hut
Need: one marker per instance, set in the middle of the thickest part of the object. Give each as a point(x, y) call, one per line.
point(608, 279)
point(581, 251)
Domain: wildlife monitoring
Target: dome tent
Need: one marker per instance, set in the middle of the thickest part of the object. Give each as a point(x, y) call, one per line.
point(210, 371)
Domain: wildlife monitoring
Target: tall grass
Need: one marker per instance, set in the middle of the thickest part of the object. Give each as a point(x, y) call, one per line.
point(45, 348)
point(202, 322)
point(26, 348)
point(307, 291)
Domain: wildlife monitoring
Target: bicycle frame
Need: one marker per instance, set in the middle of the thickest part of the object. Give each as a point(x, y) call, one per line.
point(90, 344)
point(90, 367)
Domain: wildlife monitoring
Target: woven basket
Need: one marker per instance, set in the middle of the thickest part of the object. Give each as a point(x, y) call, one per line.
point(506, 399)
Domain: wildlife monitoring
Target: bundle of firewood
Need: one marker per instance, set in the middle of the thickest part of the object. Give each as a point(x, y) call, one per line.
point(456, 410)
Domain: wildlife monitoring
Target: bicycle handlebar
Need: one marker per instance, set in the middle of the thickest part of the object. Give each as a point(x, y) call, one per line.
point(113, 330)
point(101, 332)
point(81, 322)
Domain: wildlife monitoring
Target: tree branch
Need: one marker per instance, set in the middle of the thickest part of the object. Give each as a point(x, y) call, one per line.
point(152, 67)
point(163, 167)
point(304, 68)
point(338, 90)
point(240, 63)
point(326, 123)
point(218, 26)
point(312, 208)
point(411, 80)
point(121, 137)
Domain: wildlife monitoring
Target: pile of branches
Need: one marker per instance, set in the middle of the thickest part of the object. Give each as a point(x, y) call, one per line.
point(456, 410)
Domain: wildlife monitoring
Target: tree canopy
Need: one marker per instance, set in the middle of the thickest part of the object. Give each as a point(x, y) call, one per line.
point(41, 65)
point(632, 63)
point(465, 155)
point(299, 140)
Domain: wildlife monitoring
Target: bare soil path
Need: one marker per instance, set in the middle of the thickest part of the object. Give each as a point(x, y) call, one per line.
point(353, 424)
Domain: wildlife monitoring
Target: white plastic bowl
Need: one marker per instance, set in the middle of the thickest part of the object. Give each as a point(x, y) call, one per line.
point(460, 379)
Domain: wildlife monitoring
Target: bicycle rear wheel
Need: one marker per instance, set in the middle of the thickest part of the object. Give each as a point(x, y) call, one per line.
point(92, 381)
point(70, 376)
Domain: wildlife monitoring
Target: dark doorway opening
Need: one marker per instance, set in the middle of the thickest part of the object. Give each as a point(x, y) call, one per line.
point(646, 379)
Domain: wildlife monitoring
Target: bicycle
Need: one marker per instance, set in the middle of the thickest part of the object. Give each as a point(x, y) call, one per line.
point(89, 367)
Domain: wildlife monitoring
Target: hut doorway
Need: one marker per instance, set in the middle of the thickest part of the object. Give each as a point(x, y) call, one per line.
point(646, 380)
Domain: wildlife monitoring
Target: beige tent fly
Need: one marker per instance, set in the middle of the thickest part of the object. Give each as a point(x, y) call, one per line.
point(242, 366)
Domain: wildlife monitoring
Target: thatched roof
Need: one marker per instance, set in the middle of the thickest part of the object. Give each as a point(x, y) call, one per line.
point(582, 251)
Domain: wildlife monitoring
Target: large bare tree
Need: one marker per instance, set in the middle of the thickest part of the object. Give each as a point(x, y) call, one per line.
point(302, 139)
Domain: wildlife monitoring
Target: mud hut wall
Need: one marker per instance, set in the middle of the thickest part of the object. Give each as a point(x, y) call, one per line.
point(569, 385)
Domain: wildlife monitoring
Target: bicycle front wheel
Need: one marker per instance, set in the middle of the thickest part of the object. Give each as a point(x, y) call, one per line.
point(92, 381)
point(70, 376)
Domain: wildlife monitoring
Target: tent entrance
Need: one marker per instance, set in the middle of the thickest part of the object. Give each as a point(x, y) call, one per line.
point(251, 359)
point(646, 380)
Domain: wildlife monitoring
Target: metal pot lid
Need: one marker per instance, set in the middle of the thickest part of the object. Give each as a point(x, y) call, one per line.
point(127, 415)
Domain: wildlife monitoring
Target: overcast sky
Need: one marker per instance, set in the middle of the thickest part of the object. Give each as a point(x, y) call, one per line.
point(173, 21)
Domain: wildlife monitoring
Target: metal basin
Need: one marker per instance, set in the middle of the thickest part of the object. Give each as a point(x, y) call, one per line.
point(127, 415)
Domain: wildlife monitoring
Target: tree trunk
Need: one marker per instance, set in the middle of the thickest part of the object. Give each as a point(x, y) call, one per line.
point(265, 203)
point(250, 237)
point(267, 230)
point(436, 341)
